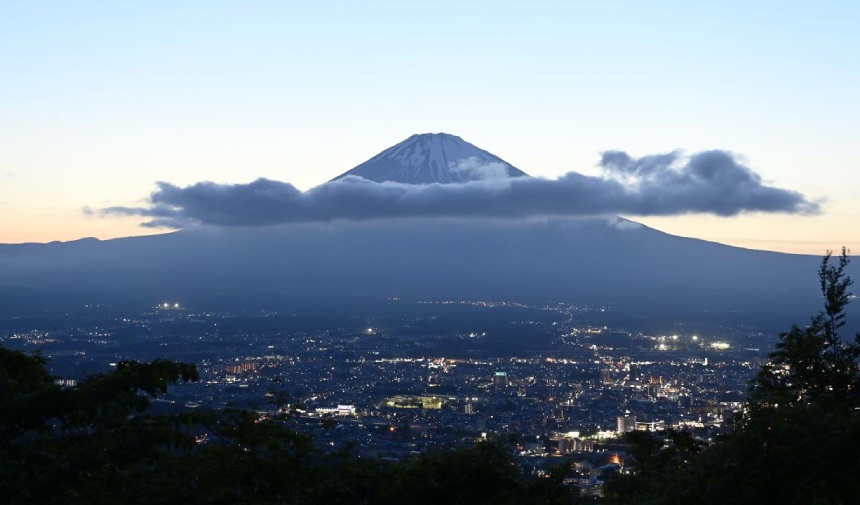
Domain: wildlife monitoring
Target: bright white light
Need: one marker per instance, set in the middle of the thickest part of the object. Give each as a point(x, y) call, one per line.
point(695, 337)
point(175, 305)
point(720, 345)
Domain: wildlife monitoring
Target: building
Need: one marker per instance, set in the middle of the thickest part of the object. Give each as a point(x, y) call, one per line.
point(500, 381)
point(606, 376)
point(626, 424)
point(649, 426)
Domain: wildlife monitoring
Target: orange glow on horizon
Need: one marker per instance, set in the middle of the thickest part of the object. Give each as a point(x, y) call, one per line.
point(50, 228)
point(762, 232)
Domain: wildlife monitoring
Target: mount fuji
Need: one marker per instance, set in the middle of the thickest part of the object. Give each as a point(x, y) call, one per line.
point(598, 260)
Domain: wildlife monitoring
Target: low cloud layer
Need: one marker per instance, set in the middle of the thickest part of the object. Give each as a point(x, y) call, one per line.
point(710, 182)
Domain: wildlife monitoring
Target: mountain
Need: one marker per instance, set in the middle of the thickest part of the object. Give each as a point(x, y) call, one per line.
point(599, 260)
point(433, 158)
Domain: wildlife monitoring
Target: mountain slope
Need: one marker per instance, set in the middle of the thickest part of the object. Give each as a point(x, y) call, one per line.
point(433, 158)
point(590, 261)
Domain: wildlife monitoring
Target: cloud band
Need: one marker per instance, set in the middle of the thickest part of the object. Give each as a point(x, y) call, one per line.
point(712, 182)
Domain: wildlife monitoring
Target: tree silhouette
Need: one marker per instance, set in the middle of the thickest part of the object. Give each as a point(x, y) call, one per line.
point(814, 365)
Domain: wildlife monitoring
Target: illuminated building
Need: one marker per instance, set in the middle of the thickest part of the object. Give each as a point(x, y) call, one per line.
point(606, 376)
point(626, 423)
point(500, 380)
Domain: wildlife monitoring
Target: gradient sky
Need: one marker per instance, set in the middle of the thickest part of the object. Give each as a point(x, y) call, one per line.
point(102, 99)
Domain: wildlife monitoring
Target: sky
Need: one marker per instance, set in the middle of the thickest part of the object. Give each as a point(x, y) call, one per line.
point(102, 101)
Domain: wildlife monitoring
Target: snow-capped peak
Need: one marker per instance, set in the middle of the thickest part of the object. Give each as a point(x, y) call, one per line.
point(434, 157)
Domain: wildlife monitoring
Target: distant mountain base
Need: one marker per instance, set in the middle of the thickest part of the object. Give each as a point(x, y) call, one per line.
point(318, 266)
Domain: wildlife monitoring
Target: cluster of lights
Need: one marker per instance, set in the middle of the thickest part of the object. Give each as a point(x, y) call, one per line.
point(665, 342)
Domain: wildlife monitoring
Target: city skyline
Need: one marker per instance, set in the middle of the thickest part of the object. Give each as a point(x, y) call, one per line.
point(104, 100)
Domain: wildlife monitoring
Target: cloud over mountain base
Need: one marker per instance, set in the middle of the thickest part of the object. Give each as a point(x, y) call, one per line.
point(712, 182)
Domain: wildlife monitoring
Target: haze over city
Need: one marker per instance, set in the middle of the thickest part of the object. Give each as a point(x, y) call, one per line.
point(106, 100)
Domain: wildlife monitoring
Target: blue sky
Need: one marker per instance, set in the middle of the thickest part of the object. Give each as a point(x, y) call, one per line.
point(103, 99)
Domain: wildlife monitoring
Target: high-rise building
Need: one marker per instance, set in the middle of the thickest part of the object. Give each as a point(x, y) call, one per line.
point(626, 423)
point(500, 380)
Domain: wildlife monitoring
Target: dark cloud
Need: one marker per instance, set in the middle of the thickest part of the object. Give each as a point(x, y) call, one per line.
point(713, 182)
